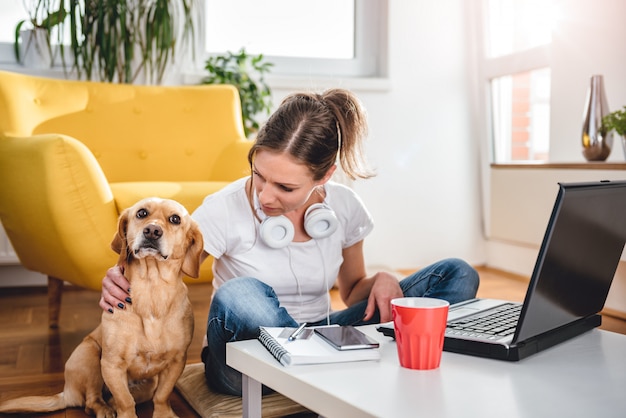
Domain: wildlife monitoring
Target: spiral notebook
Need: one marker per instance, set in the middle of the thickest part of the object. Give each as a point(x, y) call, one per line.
point(308, 348)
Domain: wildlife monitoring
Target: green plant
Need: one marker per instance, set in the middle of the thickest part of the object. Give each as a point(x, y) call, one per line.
point(616, 120)
point(246, 72)
point(42, 14)
point(117, 40)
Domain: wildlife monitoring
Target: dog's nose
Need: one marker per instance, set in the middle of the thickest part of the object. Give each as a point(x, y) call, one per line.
point(152, 232)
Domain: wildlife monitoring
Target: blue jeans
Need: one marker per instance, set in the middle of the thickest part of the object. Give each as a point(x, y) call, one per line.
point(243, 304)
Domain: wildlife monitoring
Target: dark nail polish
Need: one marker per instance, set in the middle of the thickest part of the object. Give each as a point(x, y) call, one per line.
point(110, 310)
point(129, 290)
point(129, 300)
point(120, 305)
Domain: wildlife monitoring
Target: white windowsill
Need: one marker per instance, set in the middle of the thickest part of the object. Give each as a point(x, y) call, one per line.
point(313, 82)
point(283, 82)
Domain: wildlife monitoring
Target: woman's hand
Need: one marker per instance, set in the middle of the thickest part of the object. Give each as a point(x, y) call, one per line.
point(115, 290)
point(354, 286)
point(385, 288)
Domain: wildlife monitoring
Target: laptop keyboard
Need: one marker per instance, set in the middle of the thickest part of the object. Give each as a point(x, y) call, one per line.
point(492, 325)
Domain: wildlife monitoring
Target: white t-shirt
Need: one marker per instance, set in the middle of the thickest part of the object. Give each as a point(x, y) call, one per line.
point(301, 273)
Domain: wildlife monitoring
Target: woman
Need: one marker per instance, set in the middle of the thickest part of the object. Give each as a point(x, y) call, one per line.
point(284, 236)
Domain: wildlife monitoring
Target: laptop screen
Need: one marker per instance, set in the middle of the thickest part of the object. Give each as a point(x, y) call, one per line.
point(578, 257)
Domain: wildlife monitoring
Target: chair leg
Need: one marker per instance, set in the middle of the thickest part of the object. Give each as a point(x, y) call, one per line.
point(55, 291)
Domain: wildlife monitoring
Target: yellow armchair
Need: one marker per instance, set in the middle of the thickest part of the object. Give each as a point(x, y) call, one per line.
point(74, 154)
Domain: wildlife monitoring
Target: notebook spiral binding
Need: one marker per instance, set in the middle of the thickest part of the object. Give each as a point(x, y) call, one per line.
point(273, 346)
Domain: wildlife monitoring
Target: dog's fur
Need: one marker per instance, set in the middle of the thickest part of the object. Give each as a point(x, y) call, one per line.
point(138, 353)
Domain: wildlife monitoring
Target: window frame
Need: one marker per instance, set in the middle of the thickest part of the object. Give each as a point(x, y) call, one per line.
point(7, 55)
point(367, 61)
point(370, 49)
point(370, 59)
point(489, 68)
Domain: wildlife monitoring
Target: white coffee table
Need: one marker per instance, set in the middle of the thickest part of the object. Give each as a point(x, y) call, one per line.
point(583, 377)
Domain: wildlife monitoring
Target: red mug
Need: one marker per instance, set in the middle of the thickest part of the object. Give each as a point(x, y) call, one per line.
point(420, 327)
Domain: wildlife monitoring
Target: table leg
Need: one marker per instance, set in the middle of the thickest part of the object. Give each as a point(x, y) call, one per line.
point(251, 397)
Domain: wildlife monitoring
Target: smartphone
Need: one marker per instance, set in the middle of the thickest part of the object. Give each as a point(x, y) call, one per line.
point(346, 338)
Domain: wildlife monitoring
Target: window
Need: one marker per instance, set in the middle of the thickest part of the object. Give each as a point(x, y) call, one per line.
point(517, 36)
point(12, 12)
point(305, 37)
point(521, 116)
point(517, 25)
point(301, 37)
point(282, 28)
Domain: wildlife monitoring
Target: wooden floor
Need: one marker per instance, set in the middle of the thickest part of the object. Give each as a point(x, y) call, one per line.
point(32, 356)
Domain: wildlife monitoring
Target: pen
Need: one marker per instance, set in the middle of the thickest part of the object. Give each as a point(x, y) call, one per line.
point(297, 332)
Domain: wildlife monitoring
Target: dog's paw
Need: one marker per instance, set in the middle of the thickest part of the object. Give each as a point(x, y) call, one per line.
point(129, 414)
point(163, 411)
point(171, 415)
point(100, 409)
point(106, 413)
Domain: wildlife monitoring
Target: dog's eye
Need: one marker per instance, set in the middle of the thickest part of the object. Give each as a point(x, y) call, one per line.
point(175, 219)
point(142, 213)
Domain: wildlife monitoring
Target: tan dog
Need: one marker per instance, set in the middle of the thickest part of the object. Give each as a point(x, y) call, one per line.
point(138, 352)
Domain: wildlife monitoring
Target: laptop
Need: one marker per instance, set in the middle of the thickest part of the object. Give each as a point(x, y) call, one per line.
point(575, 266)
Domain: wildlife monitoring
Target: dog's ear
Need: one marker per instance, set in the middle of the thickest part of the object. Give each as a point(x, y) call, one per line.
point(119, 244)
point(195, 246)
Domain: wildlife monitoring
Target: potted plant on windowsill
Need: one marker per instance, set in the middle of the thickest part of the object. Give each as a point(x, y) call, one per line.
point(617, 121)
point(124, 40)
point(32, 45)
point(112, 40)
point(246, 72)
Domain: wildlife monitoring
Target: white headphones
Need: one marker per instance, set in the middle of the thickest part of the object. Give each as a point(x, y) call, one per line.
point(278, 231)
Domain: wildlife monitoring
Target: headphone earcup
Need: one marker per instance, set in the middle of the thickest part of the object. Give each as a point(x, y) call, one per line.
point(277, 231)
point(320, 221)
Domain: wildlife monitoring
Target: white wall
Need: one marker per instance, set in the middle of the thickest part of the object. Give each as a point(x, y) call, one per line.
point(426, 197)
